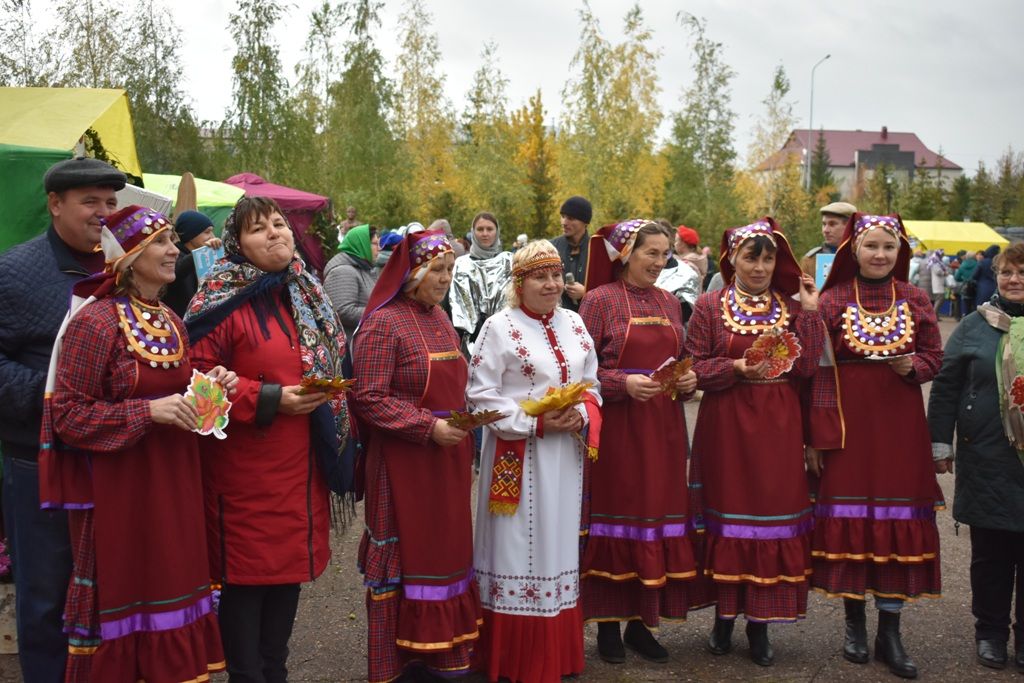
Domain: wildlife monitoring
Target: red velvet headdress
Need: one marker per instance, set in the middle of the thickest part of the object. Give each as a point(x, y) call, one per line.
point(845, 265)
point(785, 278)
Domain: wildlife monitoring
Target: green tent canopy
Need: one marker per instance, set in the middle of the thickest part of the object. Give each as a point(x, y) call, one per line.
point(41, 126)
point(24, 213)
point(212, 198)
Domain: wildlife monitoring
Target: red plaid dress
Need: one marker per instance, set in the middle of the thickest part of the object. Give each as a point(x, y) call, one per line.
point(875, 528)
point(747, 470)
point(639, 560)
point(139, 604)
point(393, 366)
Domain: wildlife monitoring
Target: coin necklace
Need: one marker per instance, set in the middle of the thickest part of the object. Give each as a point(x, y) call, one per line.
point(150, 333)
point(753, 313)
point(882, 333)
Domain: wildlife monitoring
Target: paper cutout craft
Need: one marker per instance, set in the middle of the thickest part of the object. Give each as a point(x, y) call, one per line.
point(780, 348)
point(211, 401)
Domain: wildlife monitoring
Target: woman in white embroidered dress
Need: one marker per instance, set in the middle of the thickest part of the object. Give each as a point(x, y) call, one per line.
point(526, 553)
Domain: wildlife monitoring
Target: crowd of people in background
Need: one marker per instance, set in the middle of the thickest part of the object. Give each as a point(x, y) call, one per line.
point(142, 551)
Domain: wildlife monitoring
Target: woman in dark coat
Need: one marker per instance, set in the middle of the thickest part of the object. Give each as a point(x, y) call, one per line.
point(985, 277)
point(974, 394)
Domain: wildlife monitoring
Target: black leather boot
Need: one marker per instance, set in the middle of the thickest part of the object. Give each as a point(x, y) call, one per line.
point(639, 639)
point(992, 653)
point(760, 649)
point(720, 642)
point(889, 646)
point(855, 646)
point(1019, 658)
point(609, 642)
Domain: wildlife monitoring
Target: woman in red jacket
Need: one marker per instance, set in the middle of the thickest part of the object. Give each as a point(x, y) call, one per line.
point(267, 508)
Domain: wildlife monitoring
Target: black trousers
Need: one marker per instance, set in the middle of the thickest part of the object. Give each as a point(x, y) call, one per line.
point(997, 561)
point(255, 626)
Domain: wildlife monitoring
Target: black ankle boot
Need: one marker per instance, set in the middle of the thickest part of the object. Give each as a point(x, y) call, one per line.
point(720, 642)
point(609, 642)
point(889, 646)
point(855, 646)
point(760, 649)
point(639, 639)
point(992, 653)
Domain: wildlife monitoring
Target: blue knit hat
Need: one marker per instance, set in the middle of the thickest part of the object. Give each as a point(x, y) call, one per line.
point(189, 224)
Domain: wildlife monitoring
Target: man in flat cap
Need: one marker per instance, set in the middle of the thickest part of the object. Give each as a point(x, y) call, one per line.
point(35, 286)
point(834, 217)
point(572, 246)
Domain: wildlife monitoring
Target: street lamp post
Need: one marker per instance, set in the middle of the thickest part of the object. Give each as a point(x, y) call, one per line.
point(810, 125)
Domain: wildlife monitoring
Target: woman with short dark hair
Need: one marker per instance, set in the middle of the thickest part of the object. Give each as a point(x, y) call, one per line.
point(977, 395)
point(262, 312)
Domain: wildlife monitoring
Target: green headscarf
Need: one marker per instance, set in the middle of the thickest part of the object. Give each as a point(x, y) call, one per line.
point(357, 243)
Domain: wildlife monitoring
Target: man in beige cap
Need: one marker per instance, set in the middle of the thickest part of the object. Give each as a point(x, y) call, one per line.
point(833, 221)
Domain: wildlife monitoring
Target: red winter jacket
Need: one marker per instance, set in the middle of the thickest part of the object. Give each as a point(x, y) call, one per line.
point(267, 508)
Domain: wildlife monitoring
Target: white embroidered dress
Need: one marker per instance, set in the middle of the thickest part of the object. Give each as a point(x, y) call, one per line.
point(527, 564)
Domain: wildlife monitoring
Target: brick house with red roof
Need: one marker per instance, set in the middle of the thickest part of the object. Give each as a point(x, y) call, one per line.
point(855, 154)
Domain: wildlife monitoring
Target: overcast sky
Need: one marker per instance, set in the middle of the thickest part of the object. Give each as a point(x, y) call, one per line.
point(950, 71)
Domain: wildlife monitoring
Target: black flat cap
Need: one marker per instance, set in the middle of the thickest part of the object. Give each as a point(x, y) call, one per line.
point(82, 172)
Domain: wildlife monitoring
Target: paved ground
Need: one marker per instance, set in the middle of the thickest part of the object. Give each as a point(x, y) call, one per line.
point(329, 639)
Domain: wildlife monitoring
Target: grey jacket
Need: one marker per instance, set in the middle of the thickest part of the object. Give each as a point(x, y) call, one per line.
point(348, 282)
point(965, 397)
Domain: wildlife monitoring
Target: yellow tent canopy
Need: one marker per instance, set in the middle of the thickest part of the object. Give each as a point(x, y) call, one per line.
point(952, 236)
point(56, 118)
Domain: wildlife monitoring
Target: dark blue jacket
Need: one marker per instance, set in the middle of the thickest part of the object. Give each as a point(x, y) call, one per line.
point(35, 288)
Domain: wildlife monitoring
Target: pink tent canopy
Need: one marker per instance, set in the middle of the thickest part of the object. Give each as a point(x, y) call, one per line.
point(299, 208)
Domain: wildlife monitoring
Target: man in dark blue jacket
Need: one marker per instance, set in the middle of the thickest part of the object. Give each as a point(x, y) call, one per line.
point(35, 286)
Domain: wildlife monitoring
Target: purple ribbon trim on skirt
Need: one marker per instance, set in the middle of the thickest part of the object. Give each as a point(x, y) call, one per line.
point(874, 511)
point(160, 621)
point(636, 371)
point(638, 533)
point(758, 533)
point(419, 591)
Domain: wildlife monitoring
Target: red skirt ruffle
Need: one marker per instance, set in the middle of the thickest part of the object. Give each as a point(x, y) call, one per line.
point(435, 625)
point(188, 653)
point(761, 562)
point(531, 649)
point(386, 661)
point(648, 562)
point(905, 541)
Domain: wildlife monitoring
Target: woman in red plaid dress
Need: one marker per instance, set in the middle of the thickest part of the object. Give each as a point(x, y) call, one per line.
point(416, 555)
point(639, 563)
point(875, 528)
point(118, 454)
point(753, 489)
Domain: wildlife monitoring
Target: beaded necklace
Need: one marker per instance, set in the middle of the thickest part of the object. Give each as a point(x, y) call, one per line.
point(151, 335)
point(881, 333)
point(753, 313)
